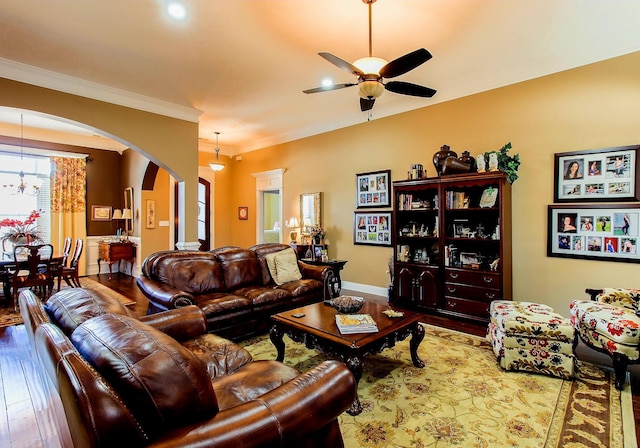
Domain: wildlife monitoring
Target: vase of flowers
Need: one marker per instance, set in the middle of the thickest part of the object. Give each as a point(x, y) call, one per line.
point(21, 232)
point(317, 233)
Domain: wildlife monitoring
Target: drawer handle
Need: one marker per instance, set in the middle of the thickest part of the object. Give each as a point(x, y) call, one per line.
point(453, 304)
point(490, 295)
point(488, 279)
point(452, 275)
point(450, 289)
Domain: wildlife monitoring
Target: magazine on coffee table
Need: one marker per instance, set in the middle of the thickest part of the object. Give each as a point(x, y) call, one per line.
point(356, 323)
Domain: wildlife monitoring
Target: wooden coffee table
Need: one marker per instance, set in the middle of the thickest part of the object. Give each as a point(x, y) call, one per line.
point(317, 330)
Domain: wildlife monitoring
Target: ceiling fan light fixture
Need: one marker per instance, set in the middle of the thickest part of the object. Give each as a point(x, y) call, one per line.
point(370, 89)
point(370, 65)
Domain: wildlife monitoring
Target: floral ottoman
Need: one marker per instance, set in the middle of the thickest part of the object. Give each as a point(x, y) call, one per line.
point(532, 337)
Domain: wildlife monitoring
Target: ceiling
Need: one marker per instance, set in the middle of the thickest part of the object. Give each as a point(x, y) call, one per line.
point(239, 67)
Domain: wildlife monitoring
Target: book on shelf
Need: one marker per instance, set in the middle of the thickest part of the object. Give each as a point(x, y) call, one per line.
point(356, 323)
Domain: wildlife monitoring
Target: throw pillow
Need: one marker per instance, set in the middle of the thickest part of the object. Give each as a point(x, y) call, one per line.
point(283, 266)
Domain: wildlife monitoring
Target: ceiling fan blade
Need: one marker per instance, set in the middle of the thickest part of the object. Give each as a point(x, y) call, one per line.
point(405, 63)
point(327, 88)
point(406, 88)
point(366, 104)
point(341, 63)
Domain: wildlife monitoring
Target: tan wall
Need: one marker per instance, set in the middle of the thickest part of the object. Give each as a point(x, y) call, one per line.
point(159, 237)
point(590, 107)
point(171, 143)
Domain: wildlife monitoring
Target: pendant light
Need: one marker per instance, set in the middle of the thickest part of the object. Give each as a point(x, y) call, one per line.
point(217, 165)
point(22, 188)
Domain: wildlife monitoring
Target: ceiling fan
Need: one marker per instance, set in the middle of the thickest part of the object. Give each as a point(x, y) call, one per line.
point(371, 71)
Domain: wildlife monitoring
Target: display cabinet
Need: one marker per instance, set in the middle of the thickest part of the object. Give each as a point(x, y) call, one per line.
point(452, 244)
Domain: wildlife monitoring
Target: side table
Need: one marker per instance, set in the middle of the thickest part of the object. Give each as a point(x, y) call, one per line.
point(337, 265)
point(113, 251)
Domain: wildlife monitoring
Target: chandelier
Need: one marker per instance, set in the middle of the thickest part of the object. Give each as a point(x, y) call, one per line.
point(27, 185)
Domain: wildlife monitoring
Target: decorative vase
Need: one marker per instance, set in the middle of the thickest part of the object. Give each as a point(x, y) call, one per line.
point(467, 158)
point(316, 240)
point(441, 156)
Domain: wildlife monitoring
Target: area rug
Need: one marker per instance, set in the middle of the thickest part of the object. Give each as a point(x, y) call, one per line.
point(462, 398)
point(9, 317)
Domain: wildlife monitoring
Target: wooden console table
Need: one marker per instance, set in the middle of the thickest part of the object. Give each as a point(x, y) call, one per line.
point(113, 251)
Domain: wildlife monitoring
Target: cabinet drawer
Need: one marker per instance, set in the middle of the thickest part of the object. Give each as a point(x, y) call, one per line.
point(471, 292)
point(479, 309)
point(475, 278)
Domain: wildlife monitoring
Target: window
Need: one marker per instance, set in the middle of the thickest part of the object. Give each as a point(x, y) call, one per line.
point(15, 205)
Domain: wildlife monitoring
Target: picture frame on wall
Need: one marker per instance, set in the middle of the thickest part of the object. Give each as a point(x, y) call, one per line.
point(372, 228)
point(609, 232)
point(243, 213)
point(100, 213)
point(598, 175)
point(373, 189)
point(150, 214)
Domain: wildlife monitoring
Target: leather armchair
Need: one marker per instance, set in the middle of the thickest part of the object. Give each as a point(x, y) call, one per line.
point(610, 323)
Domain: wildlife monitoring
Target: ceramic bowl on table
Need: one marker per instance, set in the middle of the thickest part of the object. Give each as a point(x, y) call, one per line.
point(347, 304)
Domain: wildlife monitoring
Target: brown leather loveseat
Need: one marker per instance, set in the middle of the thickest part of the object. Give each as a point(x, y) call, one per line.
point(235, 287)
point(163, 381)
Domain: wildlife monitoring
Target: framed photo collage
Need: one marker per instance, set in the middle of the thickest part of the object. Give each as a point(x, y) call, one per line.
point(372, 191)
point(599, 231)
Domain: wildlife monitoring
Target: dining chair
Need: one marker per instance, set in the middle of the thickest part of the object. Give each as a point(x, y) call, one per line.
point(56, 269)
point(70, 273)
point(31, 270)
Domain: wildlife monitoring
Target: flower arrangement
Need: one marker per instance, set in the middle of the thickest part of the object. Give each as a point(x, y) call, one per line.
point(16, 229)
point(317, 233)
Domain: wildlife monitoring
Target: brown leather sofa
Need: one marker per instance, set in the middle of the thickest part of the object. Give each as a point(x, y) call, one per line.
point(163, 381)
point(232, 285)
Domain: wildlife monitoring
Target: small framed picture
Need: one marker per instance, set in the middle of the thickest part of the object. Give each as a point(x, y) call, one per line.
point(243, 213)
point(100, 213)
point(150, 221)
point(373, 189)
point(597, 175)
point(317, 251)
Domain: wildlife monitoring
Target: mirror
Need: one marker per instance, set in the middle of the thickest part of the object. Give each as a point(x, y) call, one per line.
point(128, 213)
point(310, 211)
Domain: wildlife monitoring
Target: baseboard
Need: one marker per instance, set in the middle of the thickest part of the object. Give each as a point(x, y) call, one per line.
point(369, 289)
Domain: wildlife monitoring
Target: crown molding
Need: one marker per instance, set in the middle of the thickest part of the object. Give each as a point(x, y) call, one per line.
point(28, 74)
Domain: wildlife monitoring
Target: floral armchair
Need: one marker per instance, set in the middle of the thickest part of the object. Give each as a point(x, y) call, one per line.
point(610, 323)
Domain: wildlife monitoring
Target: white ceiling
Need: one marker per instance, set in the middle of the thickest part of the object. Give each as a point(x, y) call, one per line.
point(244, 63)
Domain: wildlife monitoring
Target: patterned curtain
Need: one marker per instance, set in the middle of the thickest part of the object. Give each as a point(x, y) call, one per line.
point(68, 203)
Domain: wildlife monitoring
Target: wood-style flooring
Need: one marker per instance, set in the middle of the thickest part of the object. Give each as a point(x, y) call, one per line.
point(30, 408)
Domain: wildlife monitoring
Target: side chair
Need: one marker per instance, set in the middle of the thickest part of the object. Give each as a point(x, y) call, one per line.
point(70, 273)
point(56, 269)
point(610, 323)
point(32, 270)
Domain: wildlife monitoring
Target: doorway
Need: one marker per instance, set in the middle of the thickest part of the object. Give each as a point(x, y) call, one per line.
point(269, 206)
point(271, 217)
point(204, 213)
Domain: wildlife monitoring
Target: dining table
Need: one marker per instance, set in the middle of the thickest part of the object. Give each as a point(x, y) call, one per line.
point(7, 265)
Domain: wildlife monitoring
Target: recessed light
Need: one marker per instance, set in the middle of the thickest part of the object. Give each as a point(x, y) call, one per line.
point(176, 10)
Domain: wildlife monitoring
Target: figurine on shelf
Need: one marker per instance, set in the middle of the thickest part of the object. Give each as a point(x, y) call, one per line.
point(480, 163)
point(493, 161)
point(494, 264)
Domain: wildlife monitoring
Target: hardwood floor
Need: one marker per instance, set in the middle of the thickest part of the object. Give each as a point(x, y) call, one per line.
point(30, 407)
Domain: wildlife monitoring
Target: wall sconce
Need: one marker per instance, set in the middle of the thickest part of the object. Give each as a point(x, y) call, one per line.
point(293, 224)
point(117, 214)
